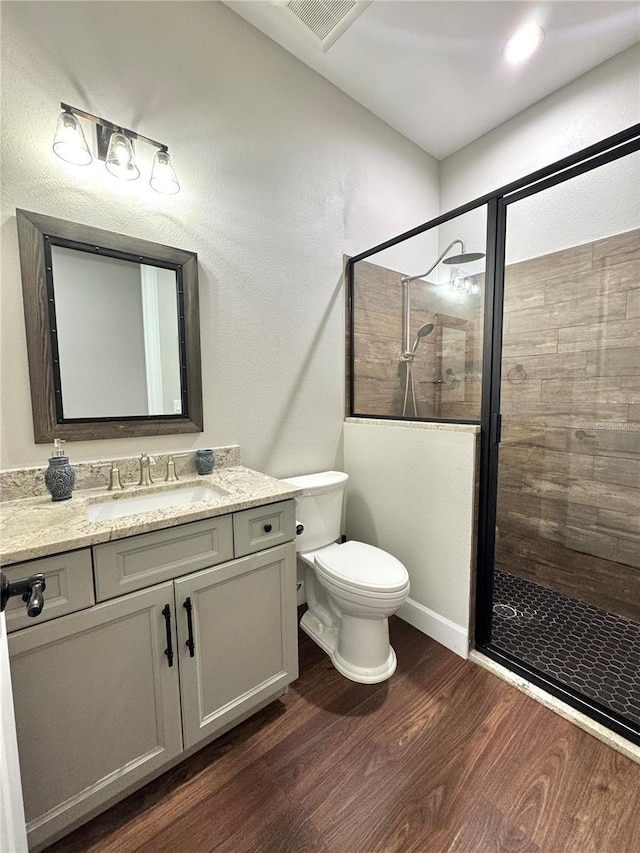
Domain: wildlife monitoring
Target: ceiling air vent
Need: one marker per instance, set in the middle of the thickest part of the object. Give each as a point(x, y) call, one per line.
point(325, 19)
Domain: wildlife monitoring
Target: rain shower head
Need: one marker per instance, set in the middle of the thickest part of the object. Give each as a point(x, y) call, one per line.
point(422, 332)
point(464, 258)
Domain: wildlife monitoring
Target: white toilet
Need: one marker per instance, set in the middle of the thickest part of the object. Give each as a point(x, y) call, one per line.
point(351, 588)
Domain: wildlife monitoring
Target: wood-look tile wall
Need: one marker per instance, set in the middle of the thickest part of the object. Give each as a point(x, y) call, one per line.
point(378, 344)
point(569, 474)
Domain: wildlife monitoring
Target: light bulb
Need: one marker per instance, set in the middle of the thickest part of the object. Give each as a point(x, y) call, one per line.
point(455, 282)
point(69, 142)
point(121, 161)
point(163, 177)
point(523, 44)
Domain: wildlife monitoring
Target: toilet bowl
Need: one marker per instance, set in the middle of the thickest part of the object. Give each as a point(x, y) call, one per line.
point(351, 588)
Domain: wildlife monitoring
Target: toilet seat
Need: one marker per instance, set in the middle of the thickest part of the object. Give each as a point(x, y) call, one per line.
point(355, 565)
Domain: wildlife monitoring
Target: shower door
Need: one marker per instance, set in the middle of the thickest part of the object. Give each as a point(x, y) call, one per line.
point(565, 605)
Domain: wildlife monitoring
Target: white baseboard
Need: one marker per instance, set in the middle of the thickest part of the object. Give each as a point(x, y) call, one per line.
point(433, 625)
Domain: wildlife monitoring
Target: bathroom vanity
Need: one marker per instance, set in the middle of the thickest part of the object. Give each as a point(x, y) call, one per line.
point(160, 631)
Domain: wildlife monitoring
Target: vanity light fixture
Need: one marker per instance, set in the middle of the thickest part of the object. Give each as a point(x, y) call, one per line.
point(115, 147)
point(523, 43)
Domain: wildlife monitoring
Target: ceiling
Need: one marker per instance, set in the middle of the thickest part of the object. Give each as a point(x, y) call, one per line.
point(433, 69)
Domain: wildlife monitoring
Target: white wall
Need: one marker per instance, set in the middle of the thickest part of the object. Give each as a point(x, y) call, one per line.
point(597, 105)
point(280, 172)
point(411, 492)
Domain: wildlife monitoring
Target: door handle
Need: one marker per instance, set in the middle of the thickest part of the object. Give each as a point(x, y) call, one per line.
point(31, 589)
point(189, 643)
point(166, 612)
point(497, 428)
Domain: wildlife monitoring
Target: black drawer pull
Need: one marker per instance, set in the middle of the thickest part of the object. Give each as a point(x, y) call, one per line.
point(268, 528)
point(189, 643)
point(166, 612)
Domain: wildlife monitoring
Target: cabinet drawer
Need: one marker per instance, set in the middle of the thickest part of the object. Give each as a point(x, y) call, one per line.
point(264, 527)
point(69, 583)
point(140, 561)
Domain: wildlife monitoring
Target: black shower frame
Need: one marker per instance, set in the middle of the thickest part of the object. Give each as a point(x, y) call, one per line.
point(592, 157)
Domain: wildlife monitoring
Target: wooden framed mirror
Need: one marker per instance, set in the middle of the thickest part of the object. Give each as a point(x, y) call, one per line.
point(113, 332)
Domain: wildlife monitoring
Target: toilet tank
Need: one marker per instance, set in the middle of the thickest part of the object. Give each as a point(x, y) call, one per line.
point(319, 508)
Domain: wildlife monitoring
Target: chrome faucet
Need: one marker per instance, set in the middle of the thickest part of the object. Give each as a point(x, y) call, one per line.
point(145, 472)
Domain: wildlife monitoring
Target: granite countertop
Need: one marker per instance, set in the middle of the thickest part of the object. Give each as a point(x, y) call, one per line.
point(441, 426)
point(37, 527)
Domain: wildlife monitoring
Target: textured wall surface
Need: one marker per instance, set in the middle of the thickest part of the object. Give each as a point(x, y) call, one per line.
point(280, 172)
point(569, 475)
point(597, 105)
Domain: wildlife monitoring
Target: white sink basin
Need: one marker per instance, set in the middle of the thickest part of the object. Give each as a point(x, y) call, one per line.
point(150, 501)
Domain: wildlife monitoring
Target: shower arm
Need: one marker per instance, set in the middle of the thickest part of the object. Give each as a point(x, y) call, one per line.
point(407, 298)
point(409, 278)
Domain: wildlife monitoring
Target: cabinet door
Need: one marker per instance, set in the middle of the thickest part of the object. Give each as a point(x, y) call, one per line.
point(97, 706)
point(244, 633)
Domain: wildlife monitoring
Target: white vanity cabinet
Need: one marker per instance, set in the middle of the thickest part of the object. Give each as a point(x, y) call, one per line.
point(109, 696)
point(237, 638)
point(97, 707)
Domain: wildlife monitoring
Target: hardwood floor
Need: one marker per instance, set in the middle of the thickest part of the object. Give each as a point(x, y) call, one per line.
point(443, 758)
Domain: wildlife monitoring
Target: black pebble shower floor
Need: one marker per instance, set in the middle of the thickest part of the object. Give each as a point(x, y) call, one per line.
point(594, 651)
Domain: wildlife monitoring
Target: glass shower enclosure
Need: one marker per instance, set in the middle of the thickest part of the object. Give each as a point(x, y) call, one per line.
point(417, 319)
point(533, 331)
point(565, 586)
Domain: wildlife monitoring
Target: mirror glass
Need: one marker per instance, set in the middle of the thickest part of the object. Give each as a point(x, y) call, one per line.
point(117, 336)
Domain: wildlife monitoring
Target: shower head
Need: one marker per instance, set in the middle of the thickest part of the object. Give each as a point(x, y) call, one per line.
point(422, 332)
point(464, 258)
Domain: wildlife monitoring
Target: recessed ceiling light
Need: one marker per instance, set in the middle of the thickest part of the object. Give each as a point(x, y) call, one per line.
point(523, 43)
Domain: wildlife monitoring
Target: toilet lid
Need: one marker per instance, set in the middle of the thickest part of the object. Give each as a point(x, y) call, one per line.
point(362, 566)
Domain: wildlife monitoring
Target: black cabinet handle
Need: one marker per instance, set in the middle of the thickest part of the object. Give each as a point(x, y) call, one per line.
point(268, 528)
point(166, 612)
point(34, 599)
point(189, 644)
point(299, 529)
point(31, 589)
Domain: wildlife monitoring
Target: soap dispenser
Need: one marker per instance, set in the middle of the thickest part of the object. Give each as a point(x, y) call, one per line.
point(59, 477)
